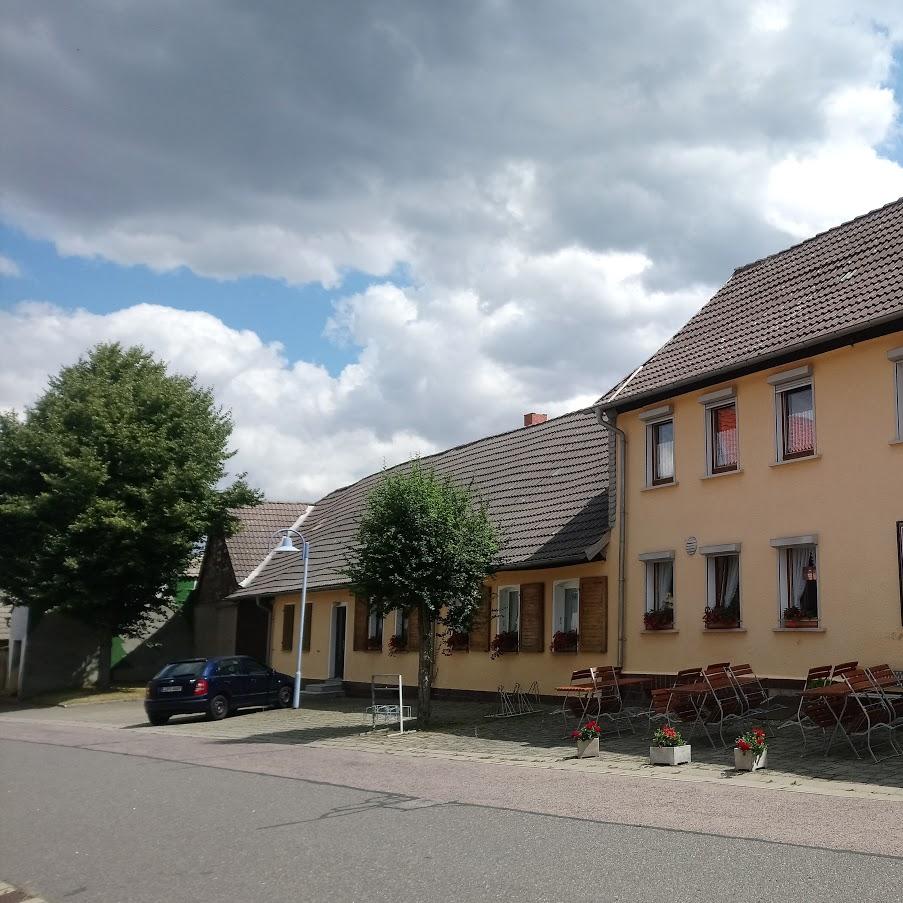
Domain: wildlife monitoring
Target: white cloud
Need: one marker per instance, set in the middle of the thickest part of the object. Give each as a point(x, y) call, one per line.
point(564, 191)
point(9, 268)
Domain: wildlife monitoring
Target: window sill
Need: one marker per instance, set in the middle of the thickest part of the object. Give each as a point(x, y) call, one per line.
point(896, 441)
point(660, 486)
point(726, 473)
point(798, 629)
point(795, 460)
point(671, 631)
point(724, 630)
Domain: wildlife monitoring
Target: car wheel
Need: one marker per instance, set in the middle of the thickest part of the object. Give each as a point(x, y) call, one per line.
point(218, 708)
point(284, 697)
point(157, 718)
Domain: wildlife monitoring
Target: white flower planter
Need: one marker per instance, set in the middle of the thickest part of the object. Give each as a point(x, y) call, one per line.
point(669, 755)
point(746, 760)
point(587, 748)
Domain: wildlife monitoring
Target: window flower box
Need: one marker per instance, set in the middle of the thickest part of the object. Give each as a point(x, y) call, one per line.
point(565, 641)
point(721, 618)
point(374, 643)
point(506, 641)
point(659, 619)
point(456, 641)
point(796, 617)
point(398, 643)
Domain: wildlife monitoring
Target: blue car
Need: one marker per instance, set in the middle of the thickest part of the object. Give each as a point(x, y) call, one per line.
point(215, 687)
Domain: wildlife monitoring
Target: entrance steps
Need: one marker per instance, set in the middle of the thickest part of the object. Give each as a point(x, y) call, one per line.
point(328, 689)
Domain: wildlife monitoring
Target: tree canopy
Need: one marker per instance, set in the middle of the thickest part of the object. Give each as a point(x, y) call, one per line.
point(106, 484)
point(424, 543)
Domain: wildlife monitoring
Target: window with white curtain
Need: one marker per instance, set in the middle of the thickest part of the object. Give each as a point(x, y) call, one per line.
point(374, 627)
point(566, 606)
point(724, 586)
point(660, 455)
point(509, 609)
point(799, 582)
point(659, 585)
point(795, 419)
point(723, 447)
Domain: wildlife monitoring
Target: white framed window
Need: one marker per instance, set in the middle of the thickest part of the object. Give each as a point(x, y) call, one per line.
point(374, 627)
point(566, 606)
point(798, 581)
point(659, 613)
point(721, 436)
point(402, 619)
point(794, 412)
point(722, 586)
point(896, 358)
point(659, 446)
point(509, 609)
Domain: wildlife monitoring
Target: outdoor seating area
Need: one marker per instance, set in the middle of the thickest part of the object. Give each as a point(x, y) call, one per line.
point(839, 702)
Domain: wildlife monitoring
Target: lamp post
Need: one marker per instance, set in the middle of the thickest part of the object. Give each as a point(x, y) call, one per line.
point(286, 545)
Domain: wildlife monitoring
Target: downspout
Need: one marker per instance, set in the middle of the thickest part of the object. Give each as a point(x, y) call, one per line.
point(620, 455)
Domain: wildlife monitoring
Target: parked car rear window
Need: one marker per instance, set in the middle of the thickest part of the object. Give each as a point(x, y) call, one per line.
point(183, 669)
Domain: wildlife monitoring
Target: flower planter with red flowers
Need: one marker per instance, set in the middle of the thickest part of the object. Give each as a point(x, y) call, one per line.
point(660, 619)
point(456, 641)
point(587, 737)
point(397, 643)
point(719, 618)
point(796, 618)
point(668, 747)
point(565, 641)
point(506, 641)
point(751, 750)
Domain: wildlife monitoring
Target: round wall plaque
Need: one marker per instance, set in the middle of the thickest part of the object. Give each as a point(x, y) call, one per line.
point(692, 545)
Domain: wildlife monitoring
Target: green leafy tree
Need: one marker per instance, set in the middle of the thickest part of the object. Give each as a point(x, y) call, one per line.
point(424, 544)
point(106, 485)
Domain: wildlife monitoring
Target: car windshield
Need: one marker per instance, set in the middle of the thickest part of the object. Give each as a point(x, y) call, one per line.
point(184, 669)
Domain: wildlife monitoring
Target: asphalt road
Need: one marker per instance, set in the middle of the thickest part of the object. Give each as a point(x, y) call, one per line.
point(97, 827)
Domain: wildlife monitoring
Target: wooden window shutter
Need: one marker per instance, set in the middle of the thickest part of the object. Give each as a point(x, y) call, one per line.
point(288, 627)
point(361, 616)
point(594, 614)
point(479, 630)
point(414, 629)
point(308, 620)
point(532, 617)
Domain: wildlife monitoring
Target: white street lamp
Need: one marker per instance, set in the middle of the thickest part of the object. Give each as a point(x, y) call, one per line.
point(286, 545)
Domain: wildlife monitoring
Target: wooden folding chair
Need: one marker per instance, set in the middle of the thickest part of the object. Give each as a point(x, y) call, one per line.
point(606, 701)
point(577, 699)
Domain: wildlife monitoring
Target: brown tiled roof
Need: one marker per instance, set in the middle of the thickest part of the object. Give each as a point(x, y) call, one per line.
point(546, 487)
point(838, 283)
point(249, 546)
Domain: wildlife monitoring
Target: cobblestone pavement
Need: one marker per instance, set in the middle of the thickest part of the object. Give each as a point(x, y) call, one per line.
point(463, 731)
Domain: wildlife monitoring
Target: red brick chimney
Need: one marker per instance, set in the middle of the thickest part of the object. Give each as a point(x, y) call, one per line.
point(533, 419)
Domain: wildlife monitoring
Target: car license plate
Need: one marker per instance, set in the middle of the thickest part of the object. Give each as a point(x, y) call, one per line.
point(170, 689)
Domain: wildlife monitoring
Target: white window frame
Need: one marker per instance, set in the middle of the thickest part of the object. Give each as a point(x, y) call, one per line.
point(798, 378)
point(721, 551)
point(652, 419)
point(781, 545)
point(503, 626)
point(650, 560)
point(711, 402)
point(558, 613)
point(895, 356)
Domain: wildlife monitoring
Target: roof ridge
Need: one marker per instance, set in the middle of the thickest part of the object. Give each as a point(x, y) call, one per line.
point(452, 448)
point(818, 235)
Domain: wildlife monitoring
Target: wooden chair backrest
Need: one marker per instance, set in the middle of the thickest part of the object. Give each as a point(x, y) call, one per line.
point(606, 674)
point(718, 666)
point(688, 676)
point(583, 675)
point(844, 669)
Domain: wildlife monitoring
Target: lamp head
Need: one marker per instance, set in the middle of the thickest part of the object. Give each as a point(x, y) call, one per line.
point(286, 545)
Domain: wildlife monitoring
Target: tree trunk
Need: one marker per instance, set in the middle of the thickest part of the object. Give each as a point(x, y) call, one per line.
point(104, 658)
point(426, 670)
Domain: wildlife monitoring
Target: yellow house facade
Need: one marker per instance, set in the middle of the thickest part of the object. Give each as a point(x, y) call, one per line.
point(763, 455)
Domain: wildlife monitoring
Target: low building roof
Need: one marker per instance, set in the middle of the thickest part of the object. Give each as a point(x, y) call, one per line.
point(546, 487)
point(839, 283)
point(254, 539)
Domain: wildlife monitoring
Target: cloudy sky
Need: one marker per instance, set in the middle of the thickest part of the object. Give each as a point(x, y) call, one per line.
point(384, 228)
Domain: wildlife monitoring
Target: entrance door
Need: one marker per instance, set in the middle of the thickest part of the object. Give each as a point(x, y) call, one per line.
point(338, 643)
point(251, 630)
